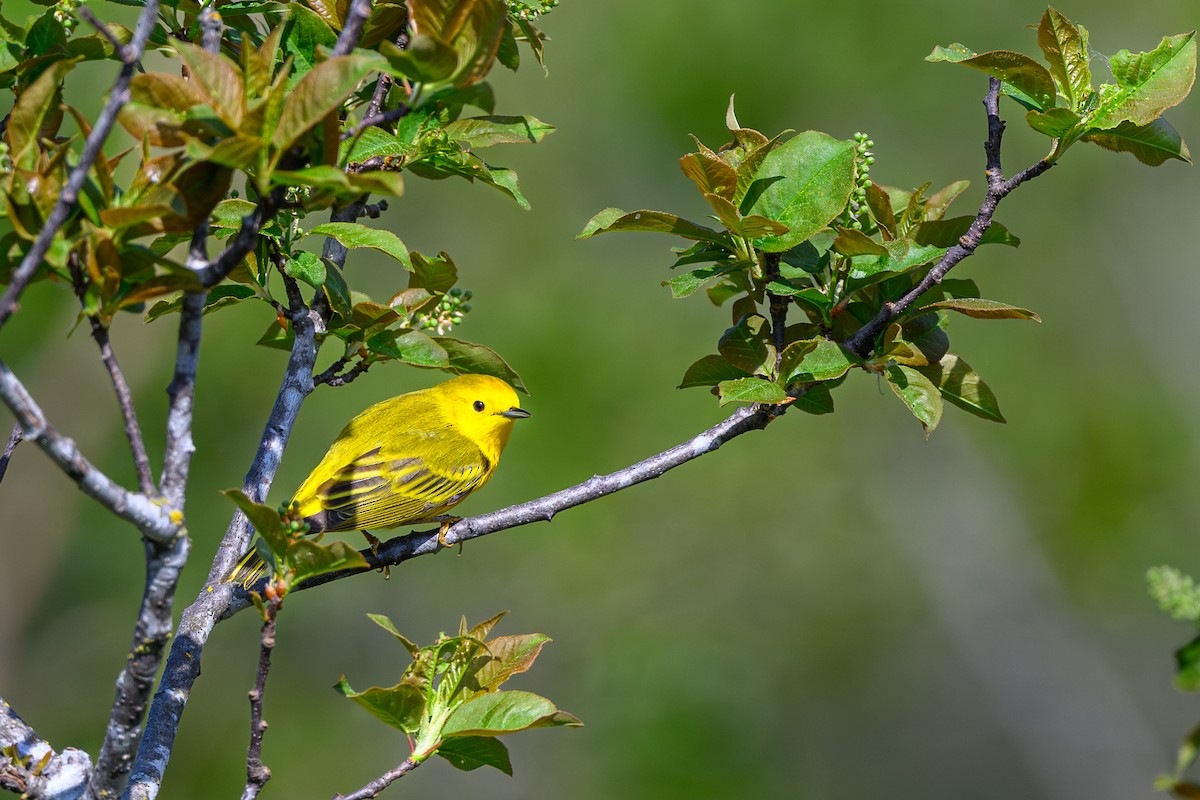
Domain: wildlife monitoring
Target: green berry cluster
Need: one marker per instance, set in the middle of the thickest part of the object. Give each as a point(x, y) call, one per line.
point(863, 159)
point(65, 14)
point(530, 9)
point(446, 314)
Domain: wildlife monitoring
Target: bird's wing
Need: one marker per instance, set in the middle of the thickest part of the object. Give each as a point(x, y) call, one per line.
point(387, 486)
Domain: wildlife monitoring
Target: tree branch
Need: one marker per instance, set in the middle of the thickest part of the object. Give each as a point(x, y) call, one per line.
point(92, 146)
point(31, 768)
point(419, 543)
point(352, 28)
point(376, 786)
point(164, 563)
point(864, 338)
point(154, 521)
point(14, 439)
point(179, 445)
point(183, 663)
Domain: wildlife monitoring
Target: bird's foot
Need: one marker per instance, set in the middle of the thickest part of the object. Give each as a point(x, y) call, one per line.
point(374, 542)
point(447, 520)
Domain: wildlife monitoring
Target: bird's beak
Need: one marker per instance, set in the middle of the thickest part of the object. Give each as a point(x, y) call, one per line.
point(516, 413)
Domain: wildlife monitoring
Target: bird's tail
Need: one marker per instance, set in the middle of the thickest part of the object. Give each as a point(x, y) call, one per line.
point(247, 571)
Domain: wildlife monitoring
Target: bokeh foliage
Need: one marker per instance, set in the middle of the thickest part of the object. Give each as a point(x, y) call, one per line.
point(1074, 488)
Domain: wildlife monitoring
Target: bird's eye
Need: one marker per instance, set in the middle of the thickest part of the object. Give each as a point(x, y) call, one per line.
point(478, 405)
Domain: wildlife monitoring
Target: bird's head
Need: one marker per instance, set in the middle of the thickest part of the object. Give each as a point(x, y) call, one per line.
point(482, 408)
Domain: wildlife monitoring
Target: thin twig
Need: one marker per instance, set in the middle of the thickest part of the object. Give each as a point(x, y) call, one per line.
point(373, 120)
point(148, 516)
point(864, 338)
point(103, 30)
point(92, 147)
point(133, 431)
point(14, 439)
point(257, 773)
point(335, 377)
point(778, 307)
point(245, 240)
point(376, 786)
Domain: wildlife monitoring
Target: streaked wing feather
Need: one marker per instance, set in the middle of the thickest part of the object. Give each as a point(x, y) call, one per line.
point(384, 489)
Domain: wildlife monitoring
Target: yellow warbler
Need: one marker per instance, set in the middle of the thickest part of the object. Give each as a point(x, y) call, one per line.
point(405, 460)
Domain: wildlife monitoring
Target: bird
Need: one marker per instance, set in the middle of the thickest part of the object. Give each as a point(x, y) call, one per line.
point(405, 460)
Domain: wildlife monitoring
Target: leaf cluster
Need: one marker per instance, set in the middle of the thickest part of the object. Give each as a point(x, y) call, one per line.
point(1062, 103)
point(295, 556)
point(274, 111)
point(801, 225)
point(448, 701)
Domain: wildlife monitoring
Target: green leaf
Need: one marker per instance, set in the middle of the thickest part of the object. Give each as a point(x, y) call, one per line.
point(498, 713)
point(804, 184)
point(218, 79)
point(223, 296)
point(794, 354)
point(425, 60)
point(614, 219)
point(410, 347)
point(435, 274)
point(947, 232)
point(307, 267)
point(471, 358)
point(1028, 81)
point(745, 345)
point(825, 362)
point(689, 283)
point(902, 256)
point(305, 32)
point(817, 400)
point(355, 234)
point(1147, 83)
point(918, 393)
point(510, 655)
point(1054, 122)
point(751, 390)
point(984, 309)
point(963, 387)
point(939, 201)
point(710, 173)
point(851, 242)
point(1066, 50)
point(264, 519)
point(229, 213)
point(307, 559)
point(318, 94)
point(386, 623)
point(471, 752)
point(157, 108)
point(1150, 144)
point(401, 706)
point(1187, 666)
point(336, 289)
point(487, 131)
point(276, 337)
point(34, 106)
point(709, 371)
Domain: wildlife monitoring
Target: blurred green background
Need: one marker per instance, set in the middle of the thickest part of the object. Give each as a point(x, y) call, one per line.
point(833, 608)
